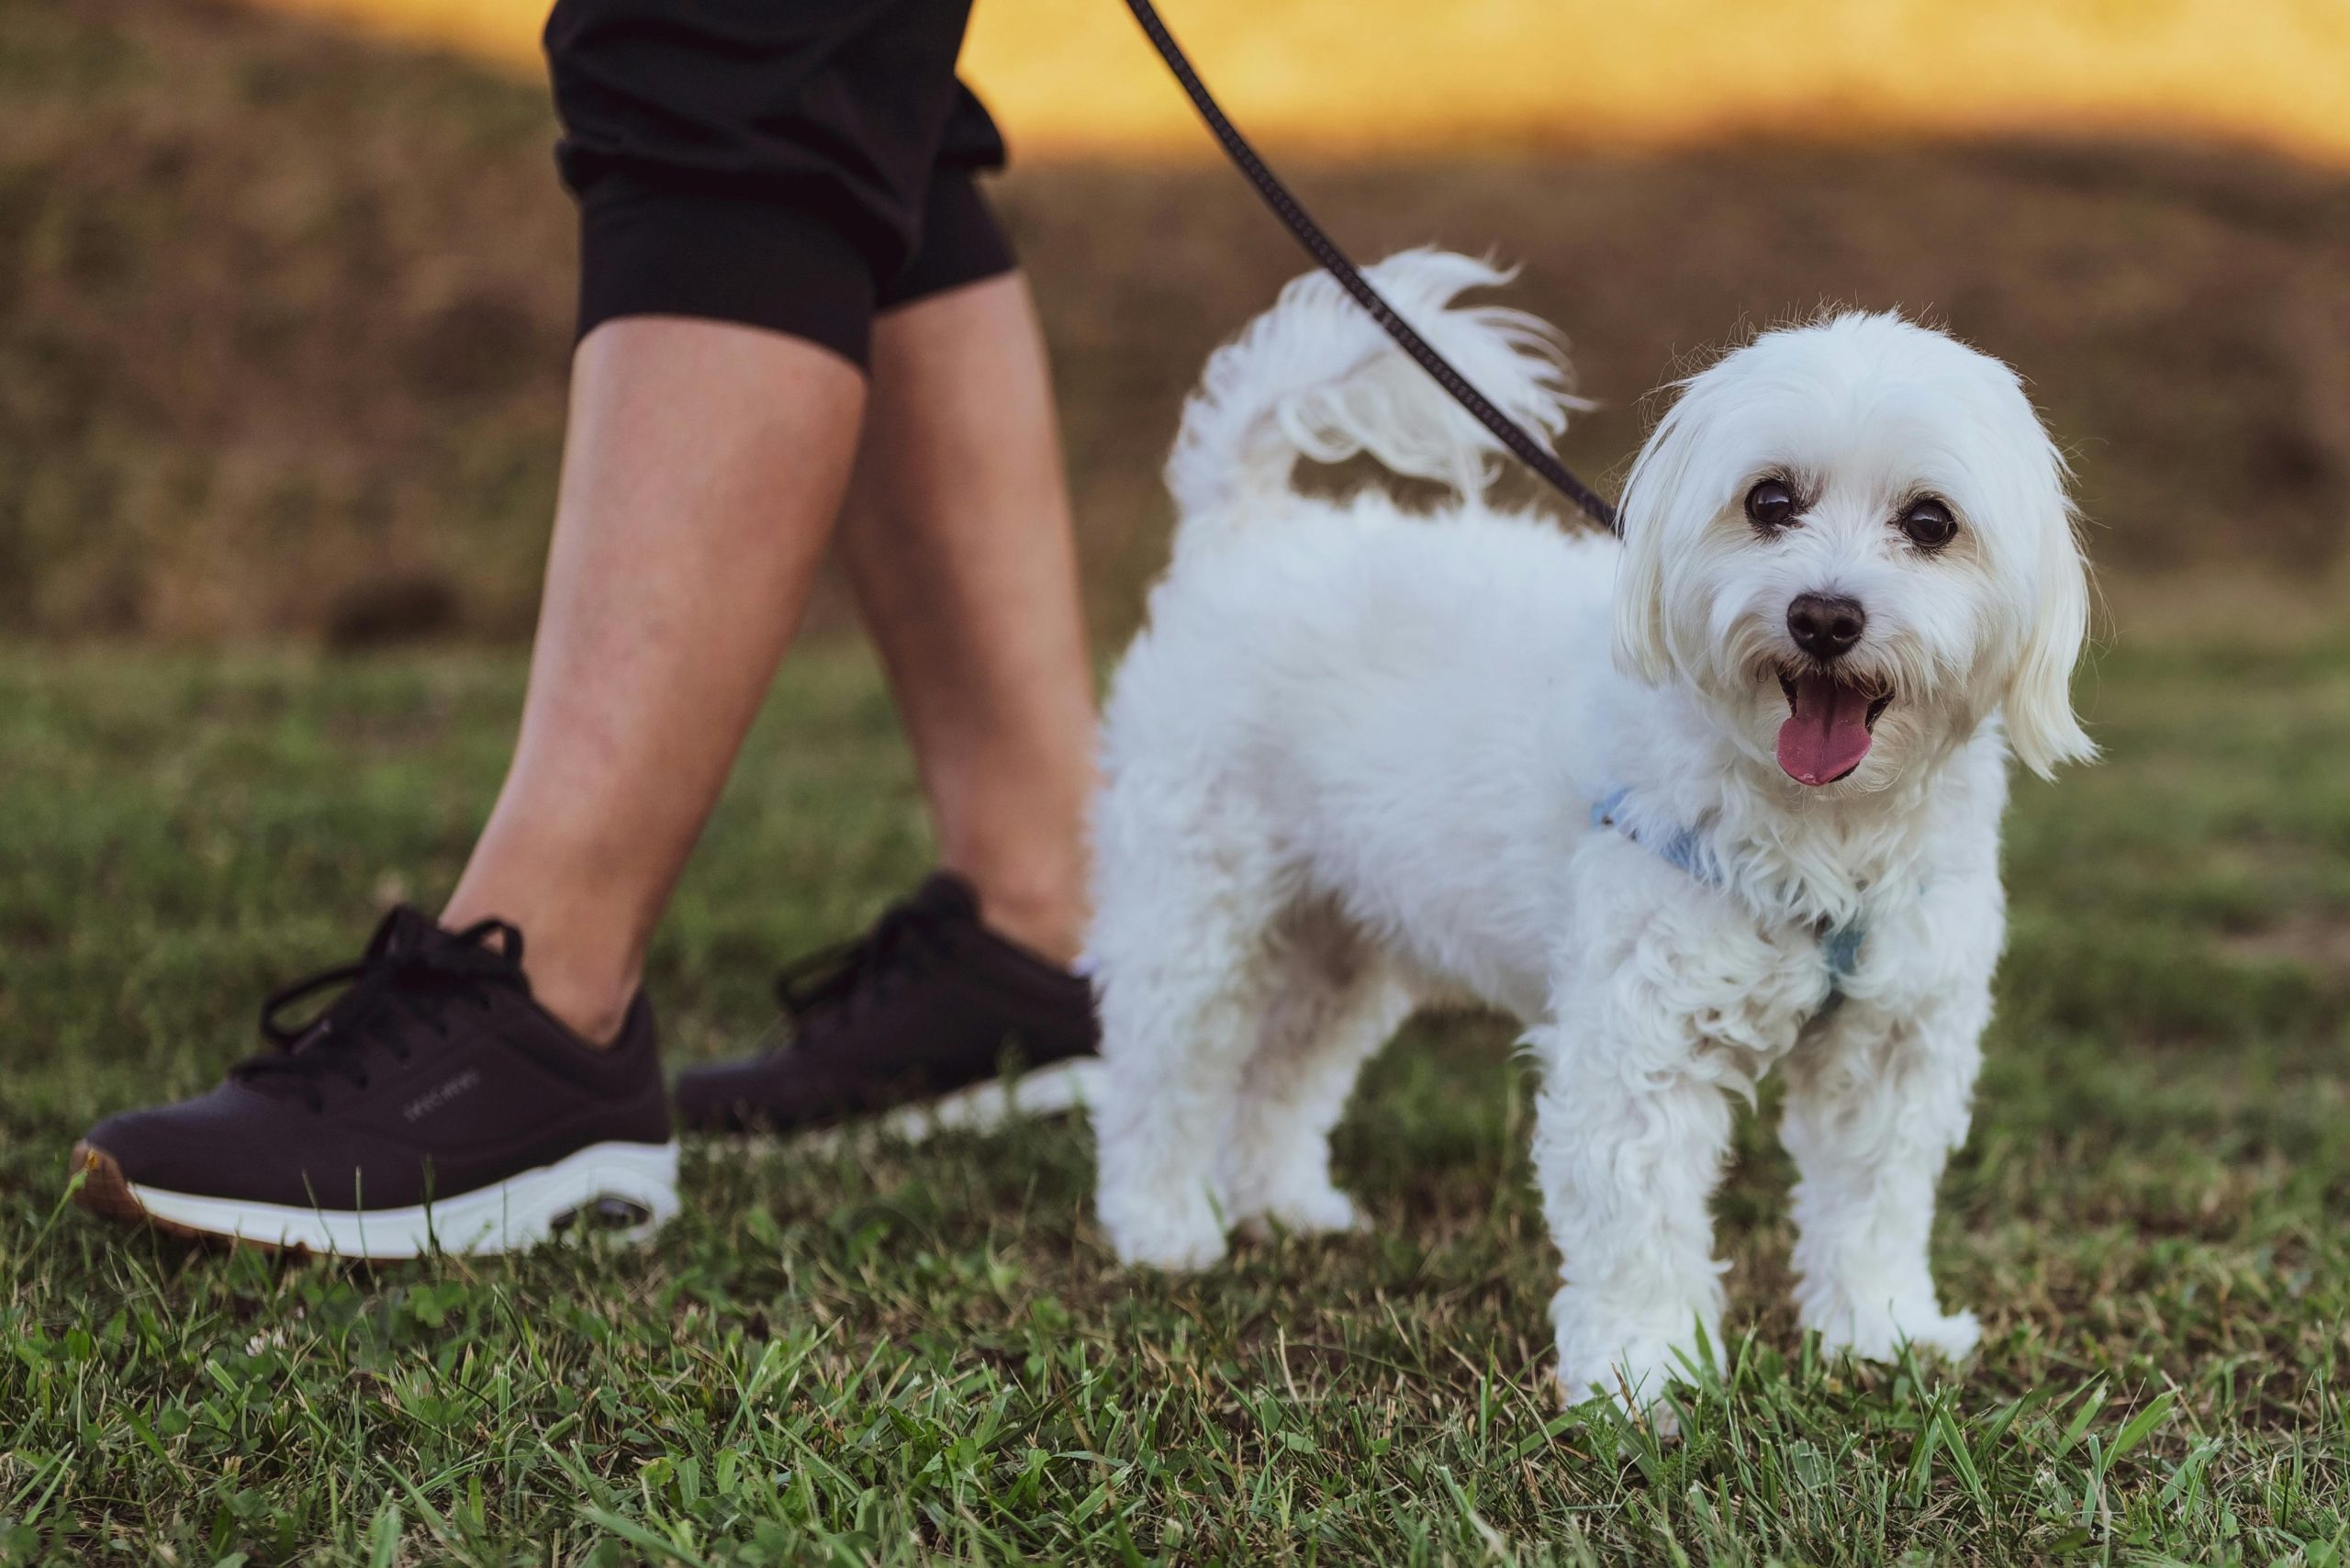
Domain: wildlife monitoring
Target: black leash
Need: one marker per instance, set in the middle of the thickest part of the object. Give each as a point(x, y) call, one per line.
point(1325, 250)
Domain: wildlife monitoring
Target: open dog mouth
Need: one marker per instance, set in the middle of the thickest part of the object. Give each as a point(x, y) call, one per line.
point(1831, 722)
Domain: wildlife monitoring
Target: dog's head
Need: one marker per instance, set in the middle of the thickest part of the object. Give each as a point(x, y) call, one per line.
point(1853, 540)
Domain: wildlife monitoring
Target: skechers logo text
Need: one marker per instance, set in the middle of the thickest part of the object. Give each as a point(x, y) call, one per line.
point(432, 1100)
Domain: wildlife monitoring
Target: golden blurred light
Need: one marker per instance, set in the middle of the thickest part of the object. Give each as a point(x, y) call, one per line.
point(1348, 77)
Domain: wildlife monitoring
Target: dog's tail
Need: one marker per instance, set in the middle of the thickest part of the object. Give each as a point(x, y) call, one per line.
point(1316, 376)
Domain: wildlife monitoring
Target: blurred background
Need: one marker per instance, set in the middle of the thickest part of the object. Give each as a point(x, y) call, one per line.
point(286, 291)
point(286, 295)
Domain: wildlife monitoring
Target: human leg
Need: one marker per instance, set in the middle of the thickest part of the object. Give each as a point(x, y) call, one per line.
point(958, 542)
point(702, 473)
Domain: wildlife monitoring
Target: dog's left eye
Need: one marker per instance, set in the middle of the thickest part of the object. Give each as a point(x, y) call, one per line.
point(1928, 523)
point(1771, 505)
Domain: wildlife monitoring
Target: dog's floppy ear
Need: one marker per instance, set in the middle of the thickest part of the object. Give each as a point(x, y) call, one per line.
point(1645, 514)
point(2042, 728)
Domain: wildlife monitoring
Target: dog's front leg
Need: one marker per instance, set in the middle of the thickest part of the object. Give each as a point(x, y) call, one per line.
point(1874, 1108)
point(1627, 1151)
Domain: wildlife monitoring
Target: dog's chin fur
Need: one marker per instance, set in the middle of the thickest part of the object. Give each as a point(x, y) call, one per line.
point(1351, 766)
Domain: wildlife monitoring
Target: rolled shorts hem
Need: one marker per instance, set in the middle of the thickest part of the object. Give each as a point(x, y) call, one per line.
point(769, 260)
point(753, 260)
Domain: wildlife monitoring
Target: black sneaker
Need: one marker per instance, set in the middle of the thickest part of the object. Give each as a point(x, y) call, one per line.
point(434, 1104)
point(923, 1014)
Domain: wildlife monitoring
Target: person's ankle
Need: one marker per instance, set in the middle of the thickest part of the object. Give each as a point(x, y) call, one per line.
point(1049, 923)
point(588, 996)
point(593, 1012)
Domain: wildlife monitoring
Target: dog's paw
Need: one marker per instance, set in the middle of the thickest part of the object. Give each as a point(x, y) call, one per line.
point(1319, 1209)
point(1178, 1237)
point(1632, 1359)
point(1878, 1336)
point(1636, 1381)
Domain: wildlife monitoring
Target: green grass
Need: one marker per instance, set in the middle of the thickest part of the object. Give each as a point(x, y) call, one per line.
point(885, 1354)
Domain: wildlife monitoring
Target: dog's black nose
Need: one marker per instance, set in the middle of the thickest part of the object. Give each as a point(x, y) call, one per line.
point(1826, 625)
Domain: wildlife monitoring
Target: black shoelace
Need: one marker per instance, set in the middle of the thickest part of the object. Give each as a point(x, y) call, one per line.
point(846, 978)
point(418, 978)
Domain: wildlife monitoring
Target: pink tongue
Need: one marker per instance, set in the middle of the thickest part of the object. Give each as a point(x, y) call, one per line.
point(1826, 732)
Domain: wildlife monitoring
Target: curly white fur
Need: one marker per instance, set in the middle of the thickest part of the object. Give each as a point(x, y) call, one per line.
point(1351, 763)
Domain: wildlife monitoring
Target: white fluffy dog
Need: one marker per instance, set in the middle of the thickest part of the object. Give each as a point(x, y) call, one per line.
point(1721, 797)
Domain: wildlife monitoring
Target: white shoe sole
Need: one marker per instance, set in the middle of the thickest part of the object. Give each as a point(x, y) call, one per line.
point(626, 1189)
point(1070, 1085)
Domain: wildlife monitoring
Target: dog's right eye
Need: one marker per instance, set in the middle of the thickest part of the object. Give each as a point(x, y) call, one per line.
point(1771, 505)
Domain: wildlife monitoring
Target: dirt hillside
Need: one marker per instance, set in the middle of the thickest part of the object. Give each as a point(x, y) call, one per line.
point(283, 318)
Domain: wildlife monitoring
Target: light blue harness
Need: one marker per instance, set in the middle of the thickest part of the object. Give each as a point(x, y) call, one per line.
point(1840, 944)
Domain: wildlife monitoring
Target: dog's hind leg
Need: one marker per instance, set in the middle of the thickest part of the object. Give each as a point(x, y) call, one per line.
point(1185, 895)
point(1336, 1001)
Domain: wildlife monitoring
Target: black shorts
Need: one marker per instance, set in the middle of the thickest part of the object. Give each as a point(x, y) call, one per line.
point(793, 164)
